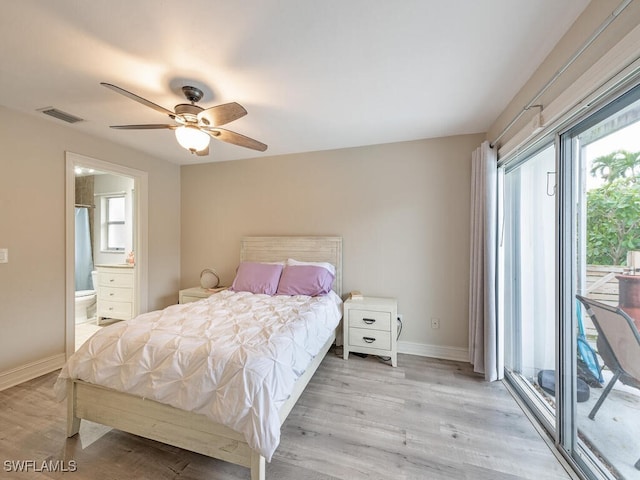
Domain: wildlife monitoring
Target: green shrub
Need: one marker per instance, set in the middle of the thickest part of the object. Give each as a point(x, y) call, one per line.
point(613, 209)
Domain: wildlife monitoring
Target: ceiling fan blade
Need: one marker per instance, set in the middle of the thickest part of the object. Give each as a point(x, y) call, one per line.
point(149, 126)
point(221, 114)
point(237, 139)
point(139, 99)
point(203, 153)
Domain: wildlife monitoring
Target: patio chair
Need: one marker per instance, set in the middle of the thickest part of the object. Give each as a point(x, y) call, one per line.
point(618, 345)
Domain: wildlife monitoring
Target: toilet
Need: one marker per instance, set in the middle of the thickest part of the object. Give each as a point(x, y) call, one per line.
point(86, 302)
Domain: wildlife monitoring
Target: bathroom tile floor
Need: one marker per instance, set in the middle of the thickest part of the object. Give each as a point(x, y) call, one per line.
point(86, 330)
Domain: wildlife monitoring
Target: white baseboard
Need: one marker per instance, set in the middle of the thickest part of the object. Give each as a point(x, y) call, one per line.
point(436, 351)
point(30, 371)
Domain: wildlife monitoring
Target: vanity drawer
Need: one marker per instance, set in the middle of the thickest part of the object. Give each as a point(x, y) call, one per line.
point(365, 337)
point(120, 310)
point(370, 319)
point(109, 279)
point(116, 294)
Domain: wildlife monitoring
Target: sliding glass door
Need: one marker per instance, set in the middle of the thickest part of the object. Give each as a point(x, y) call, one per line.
point(571, 257)
point(529, 274)
point(602, 158)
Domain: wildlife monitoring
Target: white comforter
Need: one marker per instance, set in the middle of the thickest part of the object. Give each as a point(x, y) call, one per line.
point(233, 357)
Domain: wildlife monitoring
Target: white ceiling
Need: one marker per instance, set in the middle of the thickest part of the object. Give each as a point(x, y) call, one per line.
point(313, 75)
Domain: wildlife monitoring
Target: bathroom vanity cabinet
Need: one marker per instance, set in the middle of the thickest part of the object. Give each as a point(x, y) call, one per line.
point(115, 292)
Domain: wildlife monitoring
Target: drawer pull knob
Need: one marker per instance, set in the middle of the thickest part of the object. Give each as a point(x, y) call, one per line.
point(111, 279)
point(369, 321)
point(369, 339)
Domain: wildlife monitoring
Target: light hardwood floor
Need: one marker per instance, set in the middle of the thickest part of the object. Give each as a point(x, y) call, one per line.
point(357, 419)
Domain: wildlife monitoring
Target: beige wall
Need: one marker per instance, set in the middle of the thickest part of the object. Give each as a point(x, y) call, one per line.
point(590, 20)
point(32, 227)
point(402, 210)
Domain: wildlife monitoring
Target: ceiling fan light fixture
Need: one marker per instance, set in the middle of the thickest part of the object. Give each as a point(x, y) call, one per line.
point(195, 125)
point(192, 138)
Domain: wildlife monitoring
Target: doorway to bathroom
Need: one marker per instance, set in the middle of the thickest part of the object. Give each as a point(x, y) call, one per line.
point(106, 223)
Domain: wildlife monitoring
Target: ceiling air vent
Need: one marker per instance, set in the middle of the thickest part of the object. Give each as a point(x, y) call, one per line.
point(60, 115)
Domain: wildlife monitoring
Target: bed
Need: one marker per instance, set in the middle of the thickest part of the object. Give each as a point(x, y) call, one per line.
point(160, 421)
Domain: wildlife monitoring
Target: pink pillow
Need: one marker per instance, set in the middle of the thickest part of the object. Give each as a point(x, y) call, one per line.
point(257, 277)
point(305, 280)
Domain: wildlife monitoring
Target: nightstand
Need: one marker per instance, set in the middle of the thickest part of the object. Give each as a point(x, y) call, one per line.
point(370, 326)
point(194, 294)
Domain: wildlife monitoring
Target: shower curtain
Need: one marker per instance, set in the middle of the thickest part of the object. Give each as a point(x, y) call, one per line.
point(84, 257)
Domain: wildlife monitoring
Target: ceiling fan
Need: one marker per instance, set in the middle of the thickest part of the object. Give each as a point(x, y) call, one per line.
point(195, 125)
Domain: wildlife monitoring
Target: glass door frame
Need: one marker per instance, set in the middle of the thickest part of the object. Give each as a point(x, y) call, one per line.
point(569, 173)
point(540, 409)
point(562, 427)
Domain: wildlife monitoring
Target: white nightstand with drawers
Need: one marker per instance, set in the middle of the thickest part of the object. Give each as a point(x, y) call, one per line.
point(194, 294)
point(370, 326)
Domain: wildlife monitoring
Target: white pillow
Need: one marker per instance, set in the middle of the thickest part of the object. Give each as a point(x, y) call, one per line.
point(325, 265)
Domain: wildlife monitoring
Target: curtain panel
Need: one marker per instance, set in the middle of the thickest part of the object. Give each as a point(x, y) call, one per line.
point(485, 334)
point(84, 257)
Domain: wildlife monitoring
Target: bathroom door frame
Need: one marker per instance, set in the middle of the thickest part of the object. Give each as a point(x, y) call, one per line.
point(140, 229)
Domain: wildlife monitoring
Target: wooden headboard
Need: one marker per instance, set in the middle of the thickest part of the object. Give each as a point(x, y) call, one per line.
point(306, 249)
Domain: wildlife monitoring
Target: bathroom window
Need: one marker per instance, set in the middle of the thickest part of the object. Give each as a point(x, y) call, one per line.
point(115, 228)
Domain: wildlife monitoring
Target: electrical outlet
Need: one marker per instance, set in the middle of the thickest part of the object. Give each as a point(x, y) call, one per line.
point(435, 323)
point(4, 255)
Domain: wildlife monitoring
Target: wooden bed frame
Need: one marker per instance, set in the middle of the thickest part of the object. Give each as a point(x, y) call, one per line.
point(191, 431)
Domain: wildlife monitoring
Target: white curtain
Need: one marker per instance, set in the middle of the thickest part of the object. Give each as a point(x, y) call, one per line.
point(485, 335)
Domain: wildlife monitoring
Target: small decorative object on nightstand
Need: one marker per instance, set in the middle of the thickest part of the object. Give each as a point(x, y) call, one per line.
point(370, 326)
point(197, 293)
point(209, 278)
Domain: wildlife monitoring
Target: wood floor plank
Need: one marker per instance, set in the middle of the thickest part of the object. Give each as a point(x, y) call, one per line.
point(357, 419)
